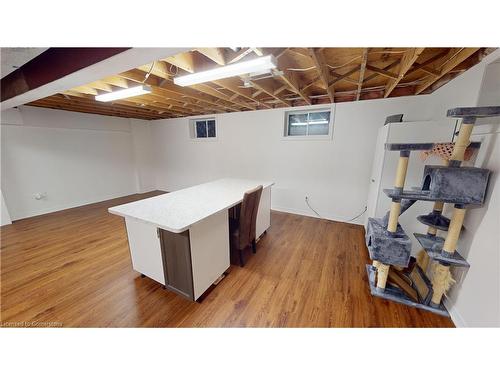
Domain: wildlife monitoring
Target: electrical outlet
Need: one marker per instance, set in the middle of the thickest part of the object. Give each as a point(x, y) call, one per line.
point(39, 196)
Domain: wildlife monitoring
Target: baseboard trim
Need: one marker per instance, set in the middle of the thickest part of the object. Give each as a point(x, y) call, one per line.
point(309, 214)
point(455, 316)
point(61, 207)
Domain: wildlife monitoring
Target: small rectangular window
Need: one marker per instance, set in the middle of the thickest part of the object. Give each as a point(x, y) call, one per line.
point(315, 124)
point(203, 128)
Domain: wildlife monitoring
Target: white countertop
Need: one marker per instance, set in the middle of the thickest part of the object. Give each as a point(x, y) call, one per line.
point(178, 210)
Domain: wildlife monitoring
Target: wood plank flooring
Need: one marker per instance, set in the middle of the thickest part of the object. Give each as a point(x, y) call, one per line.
point(72, 268)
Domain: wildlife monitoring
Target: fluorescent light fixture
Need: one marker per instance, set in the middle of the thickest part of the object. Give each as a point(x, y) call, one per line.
point(125, 93)
point(256, 65)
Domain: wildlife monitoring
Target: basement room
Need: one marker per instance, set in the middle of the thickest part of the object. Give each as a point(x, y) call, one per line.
point(272, 192)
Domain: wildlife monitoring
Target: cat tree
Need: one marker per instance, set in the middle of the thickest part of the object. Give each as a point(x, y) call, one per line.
point(397, 276)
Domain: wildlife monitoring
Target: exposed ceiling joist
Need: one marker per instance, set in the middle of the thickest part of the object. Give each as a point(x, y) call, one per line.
point(409, 57)
point(382, 72)
point(269, 90)
point(234, 56)
point(362, 70)
point(214, 54)
point(323, 71)
point(303, 76)
point(243, 92)
point(425, 65)
point(291, 80)
point(340, 77)
point(456, 56)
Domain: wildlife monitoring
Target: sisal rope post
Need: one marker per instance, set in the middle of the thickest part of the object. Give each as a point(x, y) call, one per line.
point(441, 275)
point(463, 140)
point(439, 284)
point(382, 273)
point(457, 219)
point(399, 181)
point(392, 225)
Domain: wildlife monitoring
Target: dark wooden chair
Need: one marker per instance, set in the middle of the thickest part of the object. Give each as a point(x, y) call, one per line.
point(242, 229)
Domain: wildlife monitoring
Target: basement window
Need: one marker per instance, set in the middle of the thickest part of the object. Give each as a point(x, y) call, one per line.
point(308, 124)
point(203, 128)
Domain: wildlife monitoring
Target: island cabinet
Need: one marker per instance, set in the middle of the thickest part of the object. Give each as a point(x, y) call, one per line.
point(181, 239)
point(195, 258)
point(177, 265)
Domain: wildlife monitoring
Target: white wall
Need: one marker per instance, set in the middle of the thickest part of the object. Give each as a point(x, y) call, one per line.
point(74, 158)
point(5, 216)
point(475, 300)
point(143, 155)
point(333, 173)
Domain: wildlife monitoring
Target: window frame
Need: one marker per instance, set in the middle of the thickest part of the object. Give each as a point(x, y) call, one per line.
point(307, 137)
point(193, 129)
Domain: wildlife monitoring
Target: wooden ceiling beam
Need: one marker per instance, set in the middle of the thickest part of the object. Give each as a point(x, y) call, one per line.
point(206, 89)
point(123, 104)
point(281, 89)
point(278, 52)
point(228, 95)
point(291, 80)
point(268, 88)
point(226, 84)
point(161, 97)
point(232, 56)
point(213, 92)
point(257, 92)
point(425, 65)
point(185, 61)
point(374, 75)
point(382, 72)
point(345, 77)
point(160, 106)
point(427, 69)
point(111, 108)
point(340, 77)
point(184, 101)
point(154, 99)
point(159, 69)
point(323, 71)
point(72, 108)
point(214, 54)
point(455, 57)
point(300, 51)
point(169, 88)
point(362, 70)
point(258, 51)
point(409, 57)
point(173, 98)
point(99, 85)
point(86, 90)
point(116, 81)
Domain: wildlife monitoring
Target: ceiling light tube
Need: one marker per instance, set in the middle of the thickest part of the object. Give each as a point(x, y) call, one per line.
point(125, 93)
point(256, 65)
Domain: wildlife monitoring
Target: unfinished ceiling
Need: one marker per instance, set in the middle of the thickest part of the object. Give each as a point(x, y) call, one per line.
point(303, 76)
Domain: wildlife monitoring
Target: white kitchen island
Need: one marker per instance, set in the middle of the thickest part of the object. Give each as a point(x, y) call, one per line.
point(181, 239)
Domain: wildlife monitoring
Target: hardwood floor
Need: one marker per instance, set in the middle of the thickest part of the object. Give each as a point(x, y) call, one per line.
point(72, 268)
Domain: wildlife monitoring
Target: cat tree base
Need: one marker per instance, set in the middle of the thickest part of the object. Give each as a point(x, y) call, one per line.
point(394, 294)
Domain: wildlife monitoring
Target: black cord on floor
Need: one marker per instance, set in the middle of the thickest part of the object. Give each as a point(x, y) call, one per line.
point(321, 217)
